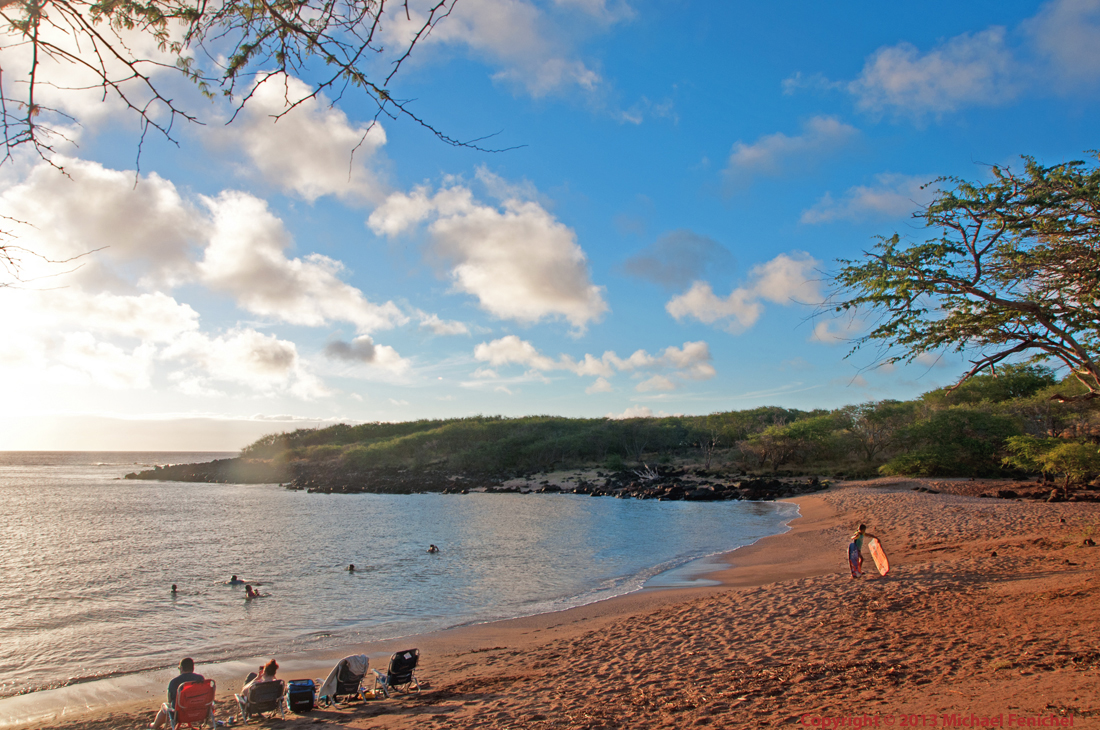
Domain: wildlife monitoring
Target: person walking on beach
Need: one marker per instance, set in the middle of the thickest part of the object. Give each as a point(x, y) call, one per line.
point(187, 674)
point(855, 550)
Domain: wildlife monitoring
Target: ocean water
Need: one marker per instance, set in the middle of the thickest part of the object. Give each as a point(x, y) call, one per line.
point(87, 560)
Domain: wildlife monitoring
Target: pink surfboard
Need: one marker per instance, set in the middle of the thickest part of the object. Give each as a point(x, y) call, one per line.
point(879, 556)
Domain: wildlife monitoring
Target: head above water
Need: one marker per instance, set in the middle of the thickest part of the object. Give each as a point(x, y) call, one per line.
point(187, 665)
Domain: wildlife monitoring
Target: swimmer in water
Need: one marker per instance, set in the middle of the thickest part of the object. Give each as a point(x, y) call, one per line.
point(173, 589)
point(433, 549)
point(351, 568)
point(250, 594)
point(235, 581)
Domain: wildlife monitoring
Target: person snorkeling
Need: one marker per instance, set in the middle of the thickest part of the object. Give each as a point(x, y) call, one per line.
point(250, 593)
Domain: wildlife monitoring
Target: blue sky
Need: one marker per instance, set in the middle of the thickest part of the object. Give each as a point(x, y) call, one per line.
point(682, 179)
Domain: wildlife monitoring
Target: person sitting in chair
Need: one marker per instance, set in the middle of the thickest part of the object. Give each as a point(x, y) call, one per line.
point(187, 674)
point(267, 674)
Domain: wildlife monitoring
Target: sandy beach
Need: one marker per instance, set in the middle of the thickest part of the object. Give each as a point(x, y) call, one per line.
point(989, 615)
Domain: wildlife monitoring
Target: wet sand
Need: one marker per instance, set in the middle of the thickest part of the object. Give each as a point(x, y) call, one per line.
point(990, 613)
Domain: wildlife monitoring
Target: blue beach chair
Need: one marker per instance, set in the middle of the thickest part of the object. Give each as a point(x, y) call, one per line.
point(400, 676)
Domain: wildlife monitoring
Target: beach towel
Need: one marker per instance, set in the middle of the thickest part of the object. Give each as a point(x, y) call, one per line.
point(357, 665)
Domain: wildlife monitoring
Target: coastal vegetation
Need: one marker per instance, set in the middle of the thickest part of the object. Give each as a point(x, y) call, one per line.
point(991, 425)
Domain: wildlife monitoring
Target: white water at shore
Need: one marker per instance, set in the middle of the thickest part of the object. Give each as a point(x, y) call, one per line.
point(88, 560)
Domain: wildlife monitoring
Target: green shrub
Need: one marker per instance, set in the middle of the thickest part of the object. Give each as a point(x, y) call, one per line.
point(1076, 461)
point(957, 441)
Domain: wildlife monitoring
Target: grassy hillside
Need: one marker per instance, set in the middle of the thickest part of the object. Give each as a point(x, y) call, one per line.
point(989, 425)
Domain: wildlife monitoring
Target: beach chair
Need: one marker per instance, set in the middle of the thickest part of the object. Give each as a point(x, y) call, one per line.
point(344, 681)
point(194, 705)
point(399, 677)
point(263, 698)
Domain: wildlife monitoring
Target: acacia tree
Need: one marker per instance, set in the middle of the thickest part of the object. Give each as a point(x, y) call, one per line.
point(336, 40)
point(1013, 272)
point(876, 426)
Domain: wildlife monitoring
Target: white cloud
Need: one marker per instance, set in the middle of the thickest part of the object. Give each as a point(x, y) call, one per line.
point(1068, 33)
point(512, 350)
point(600, 9)
point(36, 361)
point(830, 332)
point(149, 317)
point(657, 382)
point(690, 362)
point(892, 196)
point(148, 236)
point(146, 232)
point(786, 279)
point(631, 412)
point(437, 326)
point(245, 258)
point(601, 385)
point(245, 357)
point(102, 363)
point(517, 260)
point(779, 154)
point(817, 81)
point(311, 151)
point(75, 326)
point(967, 70)
point(532, 53)
point(738, 311)
point(932, 360)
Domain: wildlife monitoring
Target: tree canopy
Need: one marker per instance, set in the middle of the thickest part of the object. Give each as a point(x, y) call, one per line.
point(1013, 272)
point(127, 49)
